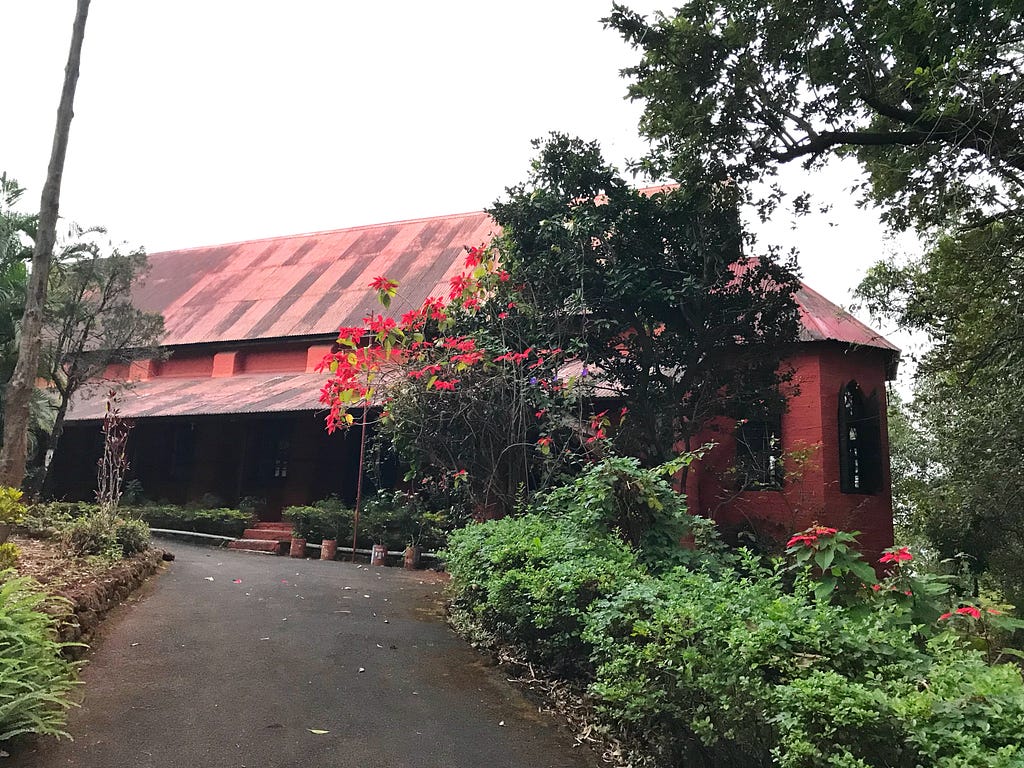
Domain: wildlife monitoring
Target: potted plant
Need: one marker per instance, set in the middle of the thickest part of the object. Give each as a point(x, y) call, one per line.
point(302, 523)
point(377, 521)
point(332, 520)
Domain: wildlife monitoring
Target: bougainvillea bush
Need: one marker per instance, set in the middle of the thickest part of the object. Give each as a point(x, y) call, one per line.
point(718, 658)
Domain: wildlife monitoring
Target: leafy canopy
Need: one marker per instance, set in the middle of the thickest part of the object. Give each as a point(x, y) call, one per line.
point(927, 95)
point(654, 288)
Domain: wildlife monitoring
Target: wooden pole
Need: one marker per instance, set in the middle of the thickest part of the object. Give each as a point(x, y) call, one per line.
point(23, 380)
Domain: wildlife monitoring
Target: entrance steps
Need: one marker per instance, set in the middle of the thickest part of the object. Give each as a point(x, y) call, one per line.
point(265, 537)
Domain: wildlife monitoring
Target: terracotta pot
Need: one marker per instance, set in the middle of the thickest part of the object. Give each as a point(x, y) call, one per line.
point(5, 531)
point(379, 555)
point(411, 561)
point(328, 549)
point(298, 548)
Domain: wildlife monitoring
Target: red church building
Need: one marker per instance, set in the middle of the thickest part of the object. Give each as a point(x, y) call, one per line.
point(231, 409)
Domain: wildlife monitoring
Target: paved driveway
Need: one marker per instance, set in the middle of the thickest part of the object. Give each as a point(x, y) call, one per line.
point(231, 659)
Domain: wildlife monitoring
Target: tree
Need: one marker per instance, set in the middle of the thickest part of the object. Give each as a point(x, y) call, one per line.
point(964, 479)
point(91, 323)
point(928, 96)
point(20, 389)
point(17, 232)
point(664, 304)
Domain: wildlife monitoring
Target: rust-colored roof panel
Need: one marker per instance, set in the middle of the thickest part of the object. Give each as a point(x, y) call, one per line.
point(246, 393)
point(824, 321)
point(302, 284)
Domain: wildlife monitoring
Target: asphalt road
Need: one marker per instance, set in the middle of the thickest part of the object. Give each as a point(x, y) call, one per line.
point(233, 660)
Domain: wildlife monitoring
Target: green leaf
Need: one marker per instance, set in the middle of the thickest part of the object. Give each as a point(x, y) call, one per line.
point(824, 558)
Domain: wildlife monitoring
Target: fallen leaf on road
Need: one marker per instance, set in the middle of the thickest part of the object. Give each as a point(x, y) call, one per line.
point(317, 731)
point(209, 578)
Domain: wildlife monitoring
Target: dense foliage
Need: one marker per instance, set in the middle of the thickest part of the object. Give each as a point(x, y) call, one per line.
point(660, 298)
point(35, 679)
point(220, 521)
point(960, 472)
point(926, 95)
point(705, 657)
point(91, 322)
point(928, 98)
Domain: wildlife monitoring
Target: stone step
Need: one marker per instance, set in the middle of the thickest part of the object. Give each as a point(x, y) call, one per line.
point(284, 525)
point(257, 545)
point(277, 534)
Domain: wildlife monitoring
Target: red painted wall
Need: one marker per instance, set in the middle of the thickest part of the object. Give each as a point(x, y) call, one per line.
point(275, 360)
point(810, 445)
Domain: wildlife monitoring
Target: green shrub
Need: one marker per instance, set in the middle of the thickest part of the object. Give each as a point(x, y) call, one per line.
point(91, 535)
point(639, 505)
point(220, 521)
point(733, 668)
point(957, 711)
point(46, 521)
point(711, 659)
point(35, 679)
point(105, 534)
point(11, 509)
point(328, 519)
point(132, 536)
point(8, 555)
point(529, 581)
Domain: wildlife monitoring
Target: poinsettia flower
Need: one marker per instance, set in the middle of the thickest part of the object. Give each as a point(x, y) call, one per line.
point(969, 610)
point(384, 285)
point(901, 555)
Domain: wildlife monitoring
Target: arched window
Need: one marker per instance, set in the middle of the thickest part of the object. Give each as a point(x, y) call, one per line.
point(860, 443)
point(759, 454)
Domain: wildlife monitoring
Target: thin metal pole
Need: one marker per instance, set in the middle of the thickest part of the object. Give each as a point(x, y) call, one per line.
point(359, 484)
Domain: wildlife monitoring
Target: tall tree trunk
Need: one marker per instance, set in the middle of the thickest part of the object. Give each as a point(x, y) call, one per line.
point(46, 484)
point(19, 390)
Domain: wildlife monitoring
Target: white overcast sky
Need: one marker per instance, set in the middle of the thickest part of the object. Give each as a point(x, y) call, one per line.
point(209, 121)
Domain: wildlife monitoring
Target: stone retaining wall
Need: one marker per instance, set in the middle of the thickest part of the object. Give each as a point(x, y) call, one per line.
point(90, 602)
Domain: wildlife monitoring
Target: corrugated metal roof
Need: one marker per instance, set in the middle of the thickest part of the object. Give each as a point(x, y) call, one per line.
point(822, 320)
point(311, 284)
point(304, 285)
point(246, 393)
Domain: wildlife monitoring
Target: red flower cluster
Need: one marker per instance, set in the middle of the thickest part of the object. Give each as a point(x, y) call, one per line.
point(902, 555)
point(380, 324)
point(514, 357)
point(383, 285)
point(459, 285)
point(969, 610)
point(809, 538)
